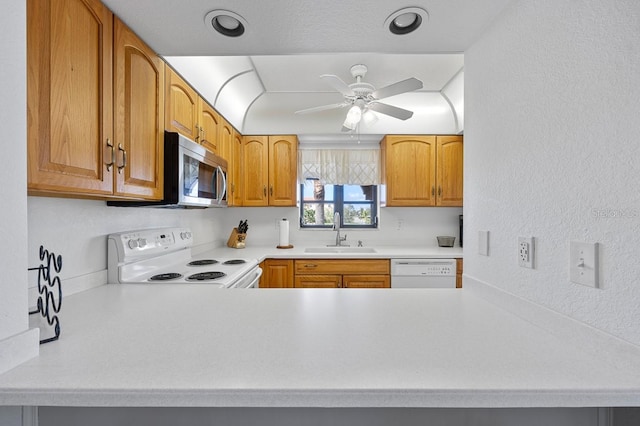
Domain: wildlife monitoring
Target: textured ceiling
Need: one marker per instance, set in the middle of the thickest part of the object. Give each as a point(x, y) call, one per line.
point(258, 80)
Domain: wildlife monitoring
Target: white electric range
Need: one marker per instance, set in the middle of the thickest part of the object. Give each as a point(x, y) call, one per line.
point(155, 256)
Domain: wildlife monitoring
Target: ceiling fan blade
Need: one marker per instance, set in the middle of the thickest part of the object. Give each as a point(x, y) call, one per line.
point(403, 86)
point(322, 108)
point(399, 113)
point(337, 83)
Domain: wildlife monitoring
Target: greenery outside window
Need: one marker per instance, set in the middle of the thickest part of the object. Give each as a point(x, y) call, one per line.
point(357, 205)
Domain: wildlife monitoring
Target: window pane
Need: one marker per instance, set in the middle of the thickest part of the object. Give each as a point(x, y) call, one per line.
point(359, 192)
point(357, 214)
point(314, 190)
point(317, 214)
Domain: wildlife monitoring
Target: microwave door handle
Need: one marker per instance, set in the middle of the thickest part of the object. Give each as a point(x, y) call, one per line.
point(224, 185)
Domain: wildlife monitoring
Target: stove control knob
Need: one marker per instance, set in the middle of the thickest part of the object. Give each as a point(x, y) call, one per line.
point(132, 244)
point(142, 242)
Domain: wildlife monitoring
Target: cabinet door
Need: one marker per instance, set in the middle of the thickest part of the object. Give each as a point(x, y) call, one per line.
point(255, 160)
point(277, 273)
point(208, 124)
point(366, 281)
point(458, 273)
point(410, 170)
point(181, 110)
point(225, 138)
point(318, 281)
point(283, 160)
point(450, 170)
point(139, 116)
point(69, 97)
point(234, 174)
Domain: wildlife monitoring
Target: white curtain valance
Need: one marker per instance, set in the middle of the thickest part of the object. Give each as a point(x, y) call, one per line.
point(340, 166)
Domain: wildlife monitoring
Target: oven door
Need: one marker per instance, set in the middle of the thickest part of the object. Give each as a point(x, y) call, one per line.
point(202, 182)
point(249, 280)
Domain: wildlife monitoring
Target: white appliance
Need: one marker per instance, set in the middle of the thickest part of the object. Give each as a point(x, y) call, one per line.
point(423, 273)
point(156, 256)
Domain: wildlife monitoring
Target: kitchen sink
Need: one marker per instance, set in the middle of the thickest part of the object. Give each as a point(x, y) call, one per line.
point(345, 250)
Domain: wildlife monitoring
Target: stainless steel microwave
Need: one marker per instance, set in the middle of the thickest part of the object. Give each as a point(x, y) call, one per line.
point(193, 176)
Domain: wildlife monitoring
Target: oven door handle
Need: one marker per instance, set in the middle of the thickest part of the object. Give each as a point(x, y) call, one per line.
point(253, 283)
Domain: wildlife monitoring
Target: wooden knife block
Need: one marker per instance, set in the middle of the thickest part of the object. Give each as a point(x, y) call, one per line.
point(236, 239)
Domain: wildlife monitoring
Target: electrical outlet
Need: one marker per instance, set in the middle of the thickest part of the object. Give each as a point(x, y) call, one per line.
point(525, 252)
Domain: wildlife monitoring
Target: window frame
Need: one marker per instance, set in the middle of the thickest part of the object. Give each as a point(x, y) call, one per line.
point(338, 205)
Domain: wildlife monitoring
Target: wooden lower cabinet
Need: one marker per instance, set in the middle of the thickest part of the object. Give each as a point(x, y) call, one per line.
point(276, 273)
point(342, 273)
point(458, 273)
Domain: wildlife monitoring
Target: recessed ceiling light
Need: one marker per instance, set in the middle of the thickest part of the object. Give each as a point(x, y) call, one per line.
point(405, 21)
point(226, 23)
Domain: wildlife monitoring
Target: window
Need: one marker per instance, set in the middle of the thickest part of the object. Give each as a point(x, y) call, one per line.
point(357, 205)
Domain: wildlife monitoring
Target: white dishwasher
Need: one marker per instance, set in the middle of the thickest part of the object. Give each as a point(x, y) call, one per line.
point(423, 273)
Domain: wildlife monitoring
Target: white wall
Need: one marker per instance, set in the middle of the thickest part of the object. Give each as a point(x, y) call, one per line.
point(16, 343)
point(77, 230)
point(552, 143)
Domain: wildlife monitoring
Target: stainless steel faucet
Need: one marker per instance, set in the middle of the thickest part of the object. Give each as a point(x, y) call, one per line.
point(336, 227)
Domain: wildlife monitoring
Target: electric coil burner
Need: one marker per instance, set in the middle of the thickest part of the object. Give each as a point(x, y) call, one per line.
point(155, 256)
point(166, 277)
point(206, 276)
point(202, 262)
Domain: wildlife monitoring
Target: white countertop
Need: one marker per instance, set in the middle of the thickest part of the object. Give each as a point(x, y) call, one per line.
point(262, 252)
point(194, 345)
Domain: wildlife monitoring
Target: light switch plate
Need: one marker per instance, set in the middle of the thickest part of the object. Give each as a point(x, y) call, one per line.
point(483, 243)
point(583, 263)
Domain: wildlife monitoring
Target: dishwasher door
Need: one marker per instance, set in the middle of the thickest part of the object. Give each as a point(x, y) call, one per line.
point(423, 273)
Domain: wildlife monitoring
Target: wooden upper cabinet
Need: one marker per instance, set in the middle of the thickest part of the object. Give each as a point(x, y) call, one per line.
point(225, 137)
point(255, 160)
point(234, 175)
point(208, 124)
point(181, 106)
point(450, 170)
point(69, 97)
point(139, 116)
point(410, 169)
point(283, 161)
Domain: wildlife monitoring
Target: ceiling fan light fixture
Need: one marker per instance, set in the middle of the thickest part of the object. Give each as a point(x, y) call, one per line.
point(353, 117)
point(405, 21)
point(225, 22)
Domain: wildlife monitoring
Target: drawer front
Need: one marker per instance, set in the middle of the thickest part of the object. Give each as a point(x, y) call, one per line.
point(366, 281)
point(318, 281)
point(342, 266)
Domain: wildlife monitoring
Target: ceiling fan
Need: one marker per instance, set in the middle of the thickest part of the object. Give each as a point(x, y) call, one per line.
point(364, 98)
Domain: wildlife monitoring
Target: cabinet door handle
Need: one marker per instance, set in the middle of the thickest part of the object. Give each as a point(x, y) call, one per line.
point(310, 265)
point(264, 190)
point(433, 191)
point(198, 131)
point(113, 155)
point(271, 190)
point(124, 158)
point(439, 191)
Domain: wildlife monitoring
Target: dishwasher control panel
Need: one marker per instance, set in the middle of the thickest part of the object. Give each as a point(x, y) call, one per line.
point(423, 267)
